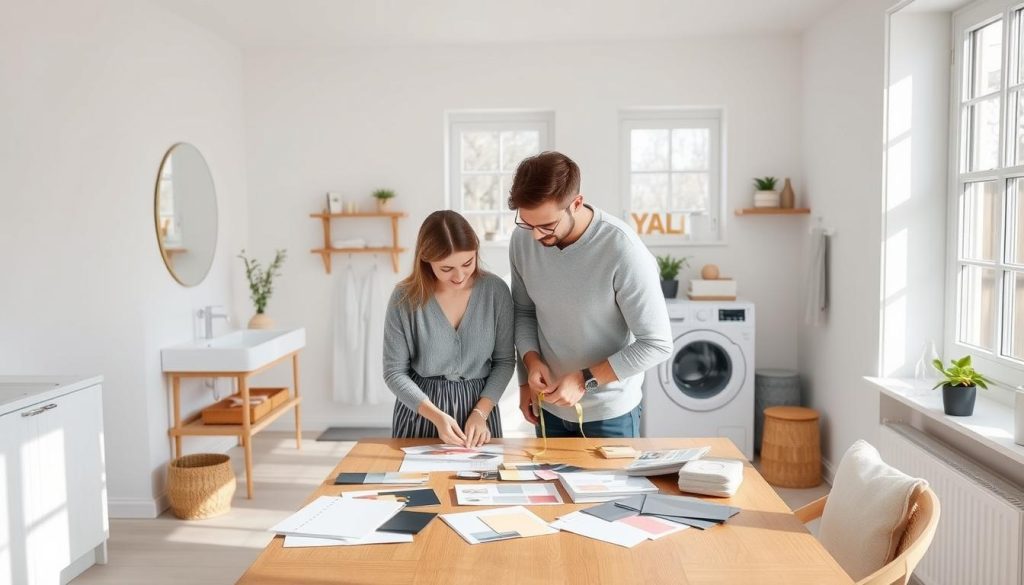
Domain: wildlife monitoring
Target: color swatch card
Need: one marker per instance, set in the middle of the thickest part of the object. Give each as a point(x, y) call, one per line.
point(429, 458)
point(598, 529)
point(389, 477)
point(449, 452)
point(331, 517)
point(593, 486)
point(497, 524)
point(410, 497)
point(407, 522)
point(506, 494)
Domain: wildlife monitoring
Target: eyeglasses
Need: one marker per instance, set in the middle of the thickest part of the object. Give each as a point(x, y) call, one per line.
point(544, 230)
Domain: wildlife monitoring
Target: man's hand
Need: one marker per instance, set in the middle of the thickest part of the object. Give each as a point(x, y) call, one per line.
point(526, 404)
point(539, 374)
point(568, 391)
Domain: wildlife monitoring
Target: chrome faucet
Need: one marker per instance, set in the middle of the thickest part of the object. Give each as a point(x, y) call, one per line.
point(207, 314)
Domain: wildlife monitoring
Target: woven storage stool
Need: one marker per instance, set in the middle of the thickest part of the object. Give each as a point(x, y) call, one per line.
point(200, 486)
point(791, 450)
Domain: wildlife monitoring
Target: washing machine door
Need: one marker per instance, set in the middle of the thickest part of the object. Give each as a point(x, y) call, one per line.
point(705, 372)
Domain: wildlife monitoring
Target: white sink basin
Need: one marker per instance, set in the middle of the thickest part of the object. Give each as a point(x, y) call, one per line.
point(239, 351)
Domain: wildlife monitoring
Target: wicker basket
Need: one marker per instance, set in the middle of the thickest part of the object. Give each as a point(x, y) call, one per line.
point(200, 486)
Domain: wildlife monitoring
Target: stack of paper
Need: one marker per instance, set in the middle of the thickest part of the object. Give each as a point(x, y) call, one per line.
point(497, 524)
point(427, 458)
point(388, 477)
point(679, 509)
point(711, 477)
point(597, 486)
point(627, 531)
point(506, 494)
point(664, 462)
point(333, 521)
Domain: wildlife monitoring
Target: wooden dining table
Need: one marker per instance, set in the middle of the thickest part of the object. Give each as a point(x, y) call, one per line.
point(764, 544)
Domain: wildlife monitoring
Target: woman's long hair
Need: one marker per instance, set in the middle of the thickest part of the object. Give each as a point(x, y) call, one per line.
point(442, 234)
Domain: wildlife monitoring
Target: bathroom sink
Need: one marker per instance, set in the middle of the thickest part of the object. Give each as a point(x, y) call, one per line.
point(239, 351)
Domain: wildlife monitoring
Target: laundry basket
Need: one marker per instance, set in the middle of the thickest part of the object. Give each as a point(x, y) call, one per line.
point(200, 485)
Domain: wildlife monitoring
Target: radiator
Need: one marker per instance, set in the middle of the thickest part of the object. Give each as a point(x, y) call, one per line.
point(981, 528)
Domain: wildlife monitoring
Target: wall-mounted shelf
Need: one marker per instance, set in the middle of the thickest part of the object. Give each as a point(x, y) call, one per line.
point(773, 211)
point(328, 250)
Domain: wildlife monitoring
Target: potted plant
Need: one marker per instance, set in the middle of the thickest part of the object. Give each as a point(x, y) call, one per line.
point(261, 285)
point(959, 386)
point(383, 197)
point(765, 194)
point(669, 268)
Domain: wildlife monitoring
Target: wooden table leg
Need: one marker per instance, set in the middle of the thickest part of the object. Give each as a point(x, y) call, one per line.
point(243, 389)
point(176, 392)
point(298, 405)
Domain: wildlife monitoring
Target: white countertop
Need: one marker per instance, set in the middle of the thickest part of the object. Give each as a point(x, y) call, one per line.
point(991, 424)
point(17, 392)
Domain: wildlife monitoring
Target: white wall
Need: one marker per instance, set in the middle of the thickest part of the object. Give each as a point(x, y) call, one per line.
point(91, 95)
point(354, 120)
point(843, 56)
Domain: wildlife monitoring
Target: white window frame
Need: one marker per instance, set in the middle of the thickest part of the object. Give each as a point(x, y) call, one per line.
point(1006, 370)
point(488, 121)
point(712, 118)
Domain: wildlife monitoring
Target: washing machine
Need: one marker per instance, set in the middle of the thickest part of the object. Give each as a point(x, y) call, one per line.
point(706, 389)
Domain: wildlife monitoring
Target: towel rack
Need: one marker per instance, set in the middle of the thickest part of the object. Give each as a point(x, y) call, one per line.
point(328, 250)
point(819, 222)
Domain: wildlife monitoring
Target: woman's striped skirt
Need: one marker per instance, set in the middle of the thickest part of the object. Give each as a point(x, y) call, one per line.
point(455, 397)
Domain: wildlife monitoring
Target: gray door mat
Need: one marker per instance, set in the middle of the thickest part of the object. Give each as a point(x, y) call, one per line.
point(354, 433)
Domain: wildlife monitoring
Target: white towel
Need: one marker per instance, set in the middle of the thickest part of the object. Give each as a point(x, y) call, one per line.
point(348, 362)
point(350, 243)
point(374, 305)
point(817, 279)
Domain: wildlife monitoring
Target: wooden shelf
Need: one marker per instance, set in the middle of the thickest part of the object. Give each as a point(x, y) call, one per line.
point(327, 250)
point(194, 426)
point(773, 211)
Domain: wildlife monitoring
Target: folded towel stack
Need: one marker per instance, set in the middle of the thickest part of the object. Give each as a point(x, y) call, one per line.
point(711, 476)
point(253, 400)
point(352, 243)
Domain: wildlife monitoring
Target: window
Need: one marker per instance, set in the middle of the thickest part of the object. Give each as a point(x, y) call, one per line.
point(672, 167)
point(987, 231)
point(484, 149)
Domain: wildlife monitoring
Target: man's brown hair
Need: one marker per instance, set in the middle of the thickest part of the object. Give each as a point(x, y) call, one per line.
point(548, 176)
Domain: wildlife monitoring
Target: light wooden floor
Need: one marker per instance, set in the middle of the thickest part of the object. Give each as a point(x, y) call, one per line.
point(217, 551)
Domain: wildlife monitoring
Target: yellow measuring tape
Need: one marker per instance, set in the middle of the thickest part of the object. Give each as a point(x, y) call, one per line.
point(543, 428)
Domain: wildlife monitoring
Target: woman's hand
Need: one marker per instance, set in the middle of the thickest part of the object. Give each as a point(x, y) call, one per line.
point(477, 432)
point(447, 428)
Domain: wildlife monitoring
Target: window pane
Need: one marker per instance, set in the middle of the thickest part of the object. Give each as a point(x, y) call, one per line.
point(648, 150)
point(1013, 344)
point(506, 189)
point(480, 193)
point(517, 145)
point(1016, 126)
point(648, 191)
point(690, 149)
point(1020, 45)
point(1015, 221)
point(982, 134)
point(689, 192)
point(479, 151)
point(977, 306)
point(487, 225)
point(986, 65)
point(978, 221)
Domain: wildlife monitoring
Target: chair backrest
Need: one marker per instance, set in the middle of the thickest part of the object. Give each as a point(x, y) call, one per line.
point(914, 544)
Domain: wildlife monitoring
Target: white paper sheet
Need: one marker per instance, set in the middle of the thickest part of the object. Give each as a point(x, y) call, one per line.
point(333, 517)
point(593, 527)
point(473, 530)
point(373, 538)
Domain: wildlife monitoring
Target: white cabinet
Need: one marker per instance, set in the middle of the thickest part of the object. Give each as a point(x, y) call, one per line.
point(54, 523)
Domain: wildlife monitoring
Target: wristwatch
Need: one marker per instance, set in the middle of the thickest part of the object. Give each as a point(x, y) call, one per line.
point(589, 381)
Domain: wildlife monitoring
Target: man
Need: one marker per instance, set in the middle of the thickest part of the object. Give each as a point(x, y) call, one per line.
point(590, 317)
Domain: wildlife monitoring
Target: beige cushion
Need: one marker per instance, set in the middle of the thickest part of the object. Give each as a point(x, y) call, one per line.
point(867, 511)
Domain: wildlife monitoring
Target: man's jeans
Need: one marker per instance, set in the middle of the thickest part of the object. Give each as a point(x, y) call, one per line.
point(625, 426)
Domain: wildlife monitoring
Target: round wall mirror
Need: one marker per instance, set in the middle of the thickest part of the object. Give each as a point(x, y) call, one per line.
point(186, 214)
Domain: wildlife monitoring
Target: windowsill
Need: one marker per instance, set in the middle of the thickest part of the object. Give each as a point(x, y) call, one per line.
point(991, 424)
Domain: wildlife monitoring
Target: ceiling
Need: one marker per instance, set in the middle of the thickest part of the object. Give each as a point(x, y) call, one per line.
point(352, 23)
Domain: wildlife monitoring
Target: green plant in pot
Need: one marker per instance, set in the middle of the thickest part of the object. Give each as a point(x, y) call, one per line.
point(261, 286)
point(383, 197)
point(668, 268)
point(765, 194)
point(959, 386)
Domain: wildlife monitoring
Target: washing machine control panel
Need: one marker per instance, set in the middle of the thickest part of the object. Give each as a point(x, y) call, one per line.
point(732, 315)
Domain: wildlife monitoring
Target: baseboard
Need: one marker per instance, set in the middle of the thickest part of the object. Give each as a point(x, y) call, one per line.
point(145, 508)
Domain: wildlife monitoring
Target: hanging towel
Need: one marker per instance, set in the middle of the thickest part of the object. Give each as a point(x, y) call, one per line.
point(349, 336)
point(373, 307)
point(817, 279)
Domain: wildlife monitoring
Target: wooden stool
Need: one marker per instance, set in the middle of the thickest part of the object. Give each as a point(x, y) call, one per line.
point(791, 449)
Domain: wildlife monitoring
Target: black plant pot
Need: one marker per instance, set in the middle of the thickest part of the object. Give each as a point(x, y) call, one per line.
point(958, 400)
point(669, 288)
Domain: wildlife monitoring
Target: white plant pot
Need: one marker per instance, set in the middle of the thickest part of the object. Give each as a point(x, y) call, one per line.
point(1018, 418)
point(766, 199)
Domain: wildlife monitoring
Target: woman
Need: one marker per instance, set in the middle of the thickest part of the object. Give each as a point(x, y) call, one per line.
point(448, 343)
